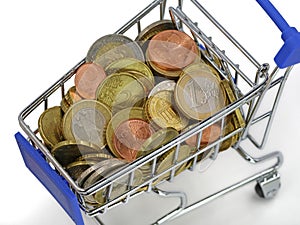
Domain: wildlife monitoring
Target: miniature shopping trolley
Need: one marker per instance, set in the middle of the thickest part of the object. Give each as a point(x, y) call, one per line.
point(249, 88)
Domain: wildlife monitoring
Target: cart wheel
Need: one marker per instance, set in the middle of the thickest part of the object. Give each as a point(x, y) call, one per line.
point(268, 186)
point(259, 191)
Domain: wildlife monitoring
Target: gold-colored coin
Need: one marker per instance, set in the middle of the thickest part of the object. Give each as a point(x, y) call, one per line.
point(119, 118)
point(121, 90)
point(86, 120)
point(198, 94)
point(129, 64)
point(64, 105)
point(78, 167)
point(167, 160)
point(145, 81)
point(68, 151)
point(72, 96)
point(49, 126)
point(151, 30)
point(235, 120)
point(94, 157)
point(113, 47)
point(157, 140)
point(161, 110)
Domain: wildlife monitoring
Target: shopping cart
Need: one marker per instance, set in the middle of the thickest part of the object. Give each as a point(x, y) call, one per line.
point(250, 89)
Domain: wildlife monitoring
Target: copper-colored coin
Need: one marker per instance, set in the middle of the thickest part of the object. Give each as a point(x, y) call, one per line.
point(87, 79)
point(130, 136)
point(209, 135)
point(172, 50)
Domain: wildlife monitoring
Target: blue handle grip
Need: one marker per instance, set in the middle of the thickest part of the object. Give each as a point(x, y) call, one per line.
point(289, 54)
point(274, 14)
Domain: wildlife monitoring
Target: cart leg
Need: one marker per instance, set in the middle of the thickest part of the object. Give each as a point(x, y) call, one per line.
point(268, 183)
point(183, 202)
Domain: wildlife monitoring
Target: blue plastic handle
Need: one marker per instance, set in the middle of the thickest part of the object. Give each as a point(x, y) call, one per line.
point(54, 183)
point(274, 14)
point(289, 54)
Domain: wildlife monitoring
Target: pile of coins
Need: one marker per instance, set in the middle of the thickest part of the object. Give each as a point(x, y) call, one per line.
point(131, 97)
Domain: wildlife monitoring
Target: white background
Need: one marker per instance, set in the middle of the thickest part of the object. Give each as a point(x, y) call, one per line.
point(42, 40)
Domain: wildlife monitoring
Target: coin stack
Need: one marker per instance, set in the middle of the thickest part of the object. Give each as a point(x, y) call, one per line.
point(131, 97)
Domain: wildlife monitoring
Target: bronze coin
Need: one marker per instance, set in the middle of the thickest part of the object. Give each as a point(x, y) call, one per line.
point(130, 136)
point(172, 50)
point(209, 135)
point(87, 79)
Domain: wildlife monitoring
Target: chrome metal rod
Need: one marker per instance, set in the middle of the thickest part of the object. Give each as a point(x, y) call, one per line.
point(237, 185)
point(138, 17)
point(212, 47)
point(171, 194)
point(226, 33)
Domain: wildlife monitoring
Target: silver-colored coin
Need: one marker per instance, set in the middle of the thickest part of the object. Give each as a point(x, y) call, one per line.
point(168, 85)
point(112, 47)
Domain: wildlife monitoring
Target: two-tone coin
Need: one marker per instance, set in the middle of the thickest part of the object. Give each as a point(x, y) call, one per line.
point(86, 120)
point(161, 111)
point(112, 47)
point(199, 95)
point(166, 85)
point(49, 126)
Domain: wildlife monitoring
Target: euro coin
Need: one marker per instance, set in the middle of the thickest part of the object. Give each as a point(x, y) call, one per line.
point(49, 126)
point(76, 168)
point(199, 95)
point(151, 30)
point(68, 151)
point(129, 64)
point(166, 85)
point(157, 140)
point(121, 90)
point(129, 137)
point(168, 160)
point(86, 120)
point(161, 110)
point(172, 50)
point(87, 78)
point(117, 120)
point(112, 47)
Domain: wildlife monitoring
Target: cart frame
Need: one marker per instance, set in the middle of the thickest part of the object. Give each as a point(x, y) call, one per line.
point(38, 158)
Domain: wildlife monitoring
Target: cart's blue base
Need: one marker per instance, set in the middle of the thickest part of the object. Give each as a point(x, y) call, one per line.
point(54, 183)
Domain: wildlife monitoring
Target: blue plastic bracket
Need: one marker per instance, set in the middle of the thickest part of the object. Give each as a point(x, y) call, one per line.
point(53, 182)
point(289, 54)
